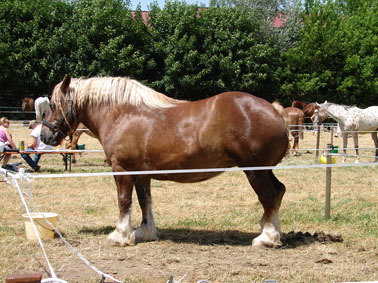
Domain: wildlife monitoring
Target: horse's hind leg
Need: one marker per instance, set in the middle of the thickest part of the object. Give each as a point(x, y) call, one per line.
point(375, 139)
point(270, 192)
point(147, 230)
point(123, 234)
point(345, 144)
point(355, 139)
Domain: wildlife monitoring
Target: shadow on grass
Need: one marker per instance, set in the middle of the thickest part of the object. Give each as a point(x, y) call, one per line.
point(290, 240)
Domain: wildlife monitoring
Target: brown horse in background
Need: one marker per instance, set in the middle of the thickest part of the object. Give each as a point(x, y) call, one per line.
point(27, 104)
point(296, 119)
point(141, 129)
point(308, 109)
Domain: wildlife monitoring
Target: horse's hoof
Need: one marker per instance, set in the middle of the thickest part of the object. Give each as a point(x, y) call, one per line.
point(263, 241)
point(117, 239)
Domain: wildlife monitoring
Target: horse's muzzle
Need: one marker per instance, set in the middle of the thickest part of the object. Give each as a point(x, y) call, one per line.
point(51, 138)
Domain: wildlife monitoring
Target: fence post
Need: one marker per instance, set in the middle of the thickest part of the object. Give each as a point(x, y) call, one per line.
point(328, 183)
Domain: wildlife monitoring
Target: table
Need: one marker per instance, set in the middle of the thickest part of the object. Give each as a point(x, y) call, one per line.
point(66, 153)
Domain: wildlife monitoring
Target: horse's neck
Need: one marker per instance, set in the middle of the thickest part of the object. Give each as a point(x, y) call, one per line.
point(338, 113)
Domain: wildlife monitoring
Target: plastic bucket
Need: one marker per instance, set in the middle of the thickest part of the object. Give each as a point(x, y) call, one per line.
point(44, 229)
point(335, 149)
point(81, 146)
point(323, 159)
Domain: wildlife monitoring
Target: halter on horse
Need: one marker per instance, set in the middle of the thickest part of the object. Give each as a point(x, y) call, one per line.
point(353, 120)
point(141, 129)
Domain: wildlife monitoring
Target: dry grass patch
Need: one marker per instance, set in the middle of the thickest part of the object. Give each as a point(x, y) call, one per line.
point(205, 228)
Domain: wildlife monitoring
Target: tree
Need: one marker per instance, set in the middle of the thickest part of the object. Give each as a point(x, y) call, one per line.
point(336, 58)
point(207, 51)
point(32, 44)
point(109, 40)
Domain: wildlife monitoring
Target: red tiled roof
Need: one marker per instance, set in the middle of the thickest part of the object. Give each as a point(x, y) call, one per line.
point(278, 21)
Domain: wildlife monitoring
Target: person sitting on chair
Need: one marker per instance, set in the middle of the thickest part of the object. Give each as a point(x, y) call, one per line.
point(6, 140)
point(36, 145)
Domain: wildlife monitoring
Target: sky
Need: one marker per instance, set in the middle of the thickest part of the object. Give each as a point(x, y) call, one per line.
point(145, 3)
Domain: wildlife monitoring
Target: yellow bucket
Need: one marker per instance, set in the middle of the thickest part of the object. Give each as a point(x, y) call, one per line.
point(323, 159)
point(44, 229)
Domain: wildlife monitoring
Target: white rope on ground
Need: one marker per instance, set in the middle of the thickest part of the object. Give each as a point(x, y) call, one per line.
point(21, 176)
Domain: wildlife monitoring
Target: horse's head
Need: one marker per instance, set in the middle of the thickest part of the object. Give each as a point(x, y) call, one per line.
point(59, 120)
point(322, 113)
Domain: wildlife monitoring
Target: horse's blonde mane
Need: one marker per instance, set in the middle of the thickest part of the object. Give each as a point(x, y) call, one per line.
point(116, 91)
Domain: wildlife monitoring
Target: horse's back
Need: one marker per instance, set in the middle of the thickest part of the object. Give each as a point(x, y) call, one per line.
point(369, 118)
point(242, 124)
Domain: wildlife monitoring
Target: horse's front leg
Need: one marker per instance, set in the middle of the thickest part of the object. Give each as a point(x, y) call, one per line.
point(123, 234)
point(345, 144)
point(355, 139)
point(374, 136)
point(147, 230)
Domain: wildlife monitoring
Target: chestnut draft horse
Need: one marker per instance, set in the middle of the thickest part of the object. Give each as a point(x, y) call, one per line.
point(141, 129)
point(296, 119)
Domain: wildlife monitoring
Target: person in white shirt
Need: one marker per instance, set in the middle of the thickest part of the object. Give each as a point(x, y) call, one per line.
point(36, 145)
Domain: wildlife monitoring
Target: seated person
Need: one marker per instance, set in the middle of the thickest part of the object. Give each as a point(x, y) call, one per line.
point(6, 140)
point(36, 145)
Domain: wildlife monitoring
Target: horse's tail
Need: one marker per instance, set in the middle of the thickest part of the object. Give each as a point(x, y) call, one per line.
point(279, 108)
point(300, 123)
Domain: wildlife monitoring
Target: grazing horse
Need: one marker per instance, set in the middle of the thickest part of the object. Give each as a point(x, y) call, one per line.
point(41, 104)
point(141, 129)
point(27, 104)
point(353, 120)
point(296, 119)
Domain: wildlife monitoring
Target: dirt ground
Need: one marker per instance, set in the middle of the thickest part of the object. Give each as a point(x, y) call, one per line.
point(230, 258)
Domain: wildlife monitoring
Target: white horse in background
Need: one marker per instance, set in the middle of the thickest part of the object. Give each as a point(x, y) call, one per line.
point(41, 104)
point(353, 120)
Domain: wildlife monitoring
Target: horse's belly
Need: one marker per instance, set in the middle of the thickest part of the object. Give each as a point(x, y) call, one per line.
point(186, 177)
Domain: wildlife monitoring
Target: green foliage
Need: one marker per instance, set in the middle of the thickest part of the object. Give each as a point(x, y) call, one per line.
point(336, 58)
point(108, 39)
point(31, 44)
point(204, 52)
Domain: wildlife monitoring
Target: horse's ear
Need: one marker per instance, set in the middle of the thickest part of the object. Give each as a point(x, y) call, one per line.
point(326, 101)
point(65, 84)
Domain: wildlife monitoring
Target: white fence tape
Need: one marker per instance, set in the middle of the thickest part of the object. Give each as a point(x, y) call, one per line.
point(205, 170)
